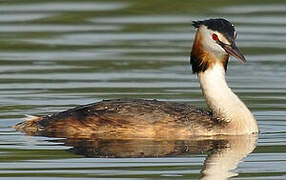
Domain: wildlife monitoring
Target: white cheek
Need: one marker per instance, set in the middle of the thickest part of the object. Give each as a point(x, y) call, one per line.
point(209, 44)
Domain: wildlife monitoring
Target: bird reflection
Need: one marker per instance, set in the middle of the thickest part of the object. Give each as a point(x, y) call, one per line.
point(221, 161)
point(224, 152)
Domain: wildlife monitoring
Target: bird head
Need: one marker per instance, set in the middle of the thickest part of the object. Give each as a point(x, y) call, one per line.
point(215, 41)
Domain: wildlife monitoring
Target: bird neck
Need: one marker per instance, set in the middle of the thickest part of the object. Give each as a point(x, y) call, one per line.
point(224, 103)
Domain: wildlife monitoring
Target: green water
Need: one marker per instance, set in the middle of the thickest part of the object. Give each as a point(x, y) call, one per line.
point(56, 55)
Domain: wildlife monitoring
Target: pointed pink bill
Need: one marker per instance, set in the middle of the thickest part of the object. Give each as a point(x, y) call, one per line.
point(234, 51)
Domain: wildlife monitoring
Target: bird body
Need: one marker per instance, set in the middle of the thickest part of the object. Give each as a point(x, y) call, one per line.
point(135, 118)
point(126, 118)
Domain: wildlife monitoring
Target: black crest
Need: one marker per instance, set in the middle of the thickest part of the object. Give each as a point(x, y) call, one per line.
point(221, 25)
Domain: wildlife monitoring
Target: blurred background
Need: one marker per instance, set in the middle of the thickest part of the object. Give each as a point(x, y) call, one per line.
point(56, 55)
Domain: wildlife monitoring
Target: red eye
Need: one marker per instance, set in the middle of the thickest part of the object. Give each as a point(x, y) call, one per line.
point(215, 37)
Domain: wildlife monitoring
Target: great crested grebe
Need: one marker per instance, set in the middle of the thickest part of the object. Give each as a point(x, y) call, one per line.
point(136, 118)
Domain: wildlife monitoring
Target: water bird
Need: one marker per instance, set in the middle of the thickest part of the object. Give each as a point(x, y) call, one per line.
point(214, 42)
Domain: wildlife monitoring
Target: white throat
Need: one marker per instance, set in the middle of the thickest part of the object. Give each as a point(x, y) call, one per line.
point(224, 103)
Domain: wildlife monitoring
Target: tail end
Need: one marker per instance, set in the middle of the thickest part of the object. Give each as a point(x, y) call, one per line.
point(29, 126)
